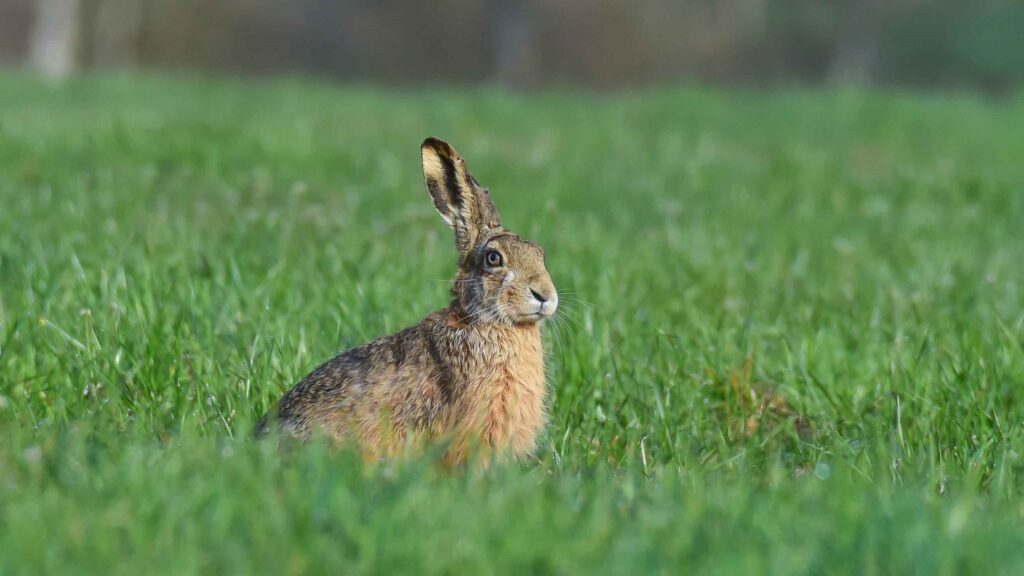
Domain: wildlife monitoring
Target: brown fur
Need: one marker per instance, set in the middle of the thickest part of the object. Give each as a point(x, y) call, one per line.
point(472, 374)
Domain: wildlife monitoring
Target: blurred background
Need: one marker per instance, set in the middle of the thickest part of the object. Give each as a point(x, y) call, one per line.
point(528, 43)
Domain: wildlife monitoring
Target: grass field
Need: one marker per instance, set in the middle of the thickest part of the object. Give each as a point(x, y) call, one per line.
point(792, 336)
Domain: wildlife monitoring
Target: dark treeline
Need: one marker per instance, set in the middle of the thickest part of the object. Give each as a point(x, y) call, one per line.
point(601, 43)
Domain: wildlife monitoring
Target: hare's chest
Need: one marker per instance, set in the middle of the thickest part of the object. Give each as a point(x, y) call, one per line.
point(508, 409)
point(504, 404)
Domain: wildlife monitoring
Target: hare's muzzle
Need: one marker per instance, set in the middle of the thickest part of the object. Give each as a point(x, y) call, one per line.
point(545, 299)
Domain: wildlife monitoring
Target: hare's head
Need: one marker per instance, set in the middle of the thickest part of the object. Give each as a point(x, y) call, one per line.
point(501, 277)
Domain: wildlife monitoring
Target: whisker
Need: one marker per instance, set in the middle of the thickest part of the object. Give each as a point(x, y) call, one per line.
point(569, 321)
point(572, 297)
point(564, 338)
point(557, 334)
point(477, 316)
point(569, 315)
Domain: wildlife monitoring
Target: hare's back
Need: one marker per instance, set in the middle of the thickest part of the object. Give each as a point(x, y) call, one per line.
point(360, 383)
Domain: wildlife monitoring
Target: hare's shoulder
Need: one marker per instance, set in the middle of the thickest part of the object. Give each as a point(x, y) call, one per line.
point(366, 363)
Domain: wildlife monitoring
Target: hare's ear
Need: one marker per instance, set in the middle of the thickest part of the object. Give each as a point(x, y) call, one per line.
point(460, 200)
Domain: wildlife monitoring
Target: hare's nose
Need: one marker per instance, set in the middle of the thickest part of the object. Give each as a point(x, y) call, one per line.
point(538, 296)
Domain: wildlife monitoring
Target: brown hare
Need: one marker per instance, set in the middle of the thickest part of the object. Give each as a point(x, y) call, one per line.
point(471, 375)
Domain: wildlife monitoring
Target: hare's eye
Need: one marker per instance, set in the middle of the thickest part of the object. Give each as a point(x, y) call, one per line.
point(493, 258)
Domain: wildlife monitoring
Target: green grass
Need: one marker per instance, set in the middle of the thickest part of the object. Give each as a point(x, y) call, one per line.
point(792, 340)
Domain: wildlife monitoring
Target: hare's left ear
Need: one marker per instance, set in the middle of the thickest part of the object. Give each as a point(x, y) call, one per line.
point(460, 200)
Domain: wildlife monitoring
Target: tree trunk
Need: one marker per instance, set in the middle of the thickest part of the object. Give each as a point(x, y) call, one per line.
point(512, 34)
point(117, 33)
point(53, 48)
point(854, 58)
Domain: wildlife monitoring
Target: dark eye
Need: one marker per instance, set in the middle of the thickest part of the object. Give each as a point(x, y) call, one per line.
point(493, 258)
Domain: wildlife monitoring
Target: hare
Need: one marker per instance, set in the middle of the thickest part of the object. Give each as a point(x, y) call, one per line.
point(470, 375)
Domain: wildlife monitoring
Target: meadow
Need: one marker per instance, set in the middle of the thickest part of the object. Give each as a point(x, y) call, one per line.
point(791, 338)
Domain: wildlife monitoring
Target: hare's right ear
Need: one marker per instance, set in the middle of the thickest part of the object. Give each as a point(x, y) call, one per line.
point(460, 200)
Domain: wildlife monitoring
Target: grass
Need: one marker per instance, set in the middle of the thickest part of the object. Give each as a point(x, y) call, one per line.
point(792, 338)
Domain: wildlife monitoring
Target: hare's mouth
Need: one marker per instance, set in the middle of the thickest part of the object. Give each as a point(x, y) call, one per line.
point(543, 311)
point(531, 318)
